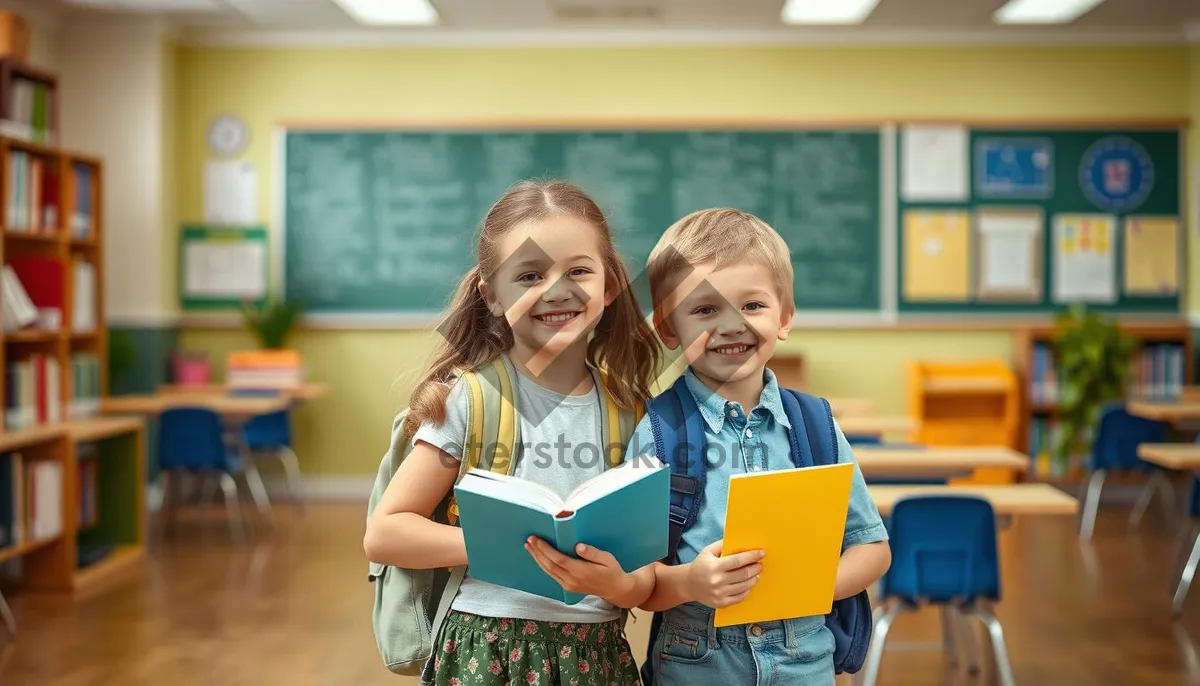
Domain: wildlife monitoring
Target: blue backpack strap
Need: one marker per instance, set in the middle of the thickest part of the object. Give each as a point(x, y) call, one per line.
point(814, 443)
point(679, 440)
point(679, 443)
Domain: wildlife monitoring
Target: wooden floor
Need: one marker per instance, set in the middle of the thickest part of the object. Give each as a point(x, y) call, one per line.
point(295, 610)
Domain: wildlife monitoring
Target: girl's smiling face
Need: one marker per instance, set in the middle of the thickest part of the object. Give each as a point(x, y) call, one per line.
point(550, 285)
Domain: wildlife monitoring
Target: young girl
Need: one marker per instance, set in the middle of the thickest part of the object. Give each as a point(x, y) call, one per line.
point(551, 298)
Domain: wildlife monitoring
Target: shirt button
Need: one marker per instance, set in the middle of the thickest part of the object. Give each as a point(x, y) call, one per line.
point(732, 412)
point(756, 630)
point(749, 433)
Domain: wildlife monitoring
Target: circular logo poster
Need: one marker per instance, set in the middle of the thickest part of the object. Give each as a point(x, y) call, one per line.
point(1116, 174)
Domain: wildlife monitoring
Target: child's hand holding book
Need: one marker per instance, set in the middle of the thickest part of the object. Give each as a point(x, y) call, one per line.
point(595, 572)
point(721, 581)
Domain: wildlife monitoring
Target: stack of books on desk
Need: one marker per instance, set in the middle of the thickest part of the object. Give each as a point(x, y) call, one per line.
point(264, 369)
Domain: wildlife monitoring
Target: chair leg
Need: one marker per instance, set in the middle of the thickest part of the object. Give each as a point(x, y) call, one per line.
point(875, 656)
point(1185, 578)
point(948, 631)
point(10, 622)
point(966, 632)
point(1168, 498)
point(1090, 504)
point(1143, 503)
point(258, 490)
point(999, 651)
point(291, 468)
point(229, 486)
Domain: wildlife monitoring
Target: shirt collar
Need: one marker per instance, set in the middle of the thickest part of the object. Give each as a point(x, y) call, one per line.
point(713, 407)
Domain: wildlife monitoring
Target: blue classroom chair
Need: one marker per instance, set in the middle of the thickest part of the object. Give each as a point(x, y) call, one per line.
point(1118, 434)
point(271, 434)
point(192, 441)
point(944, 553)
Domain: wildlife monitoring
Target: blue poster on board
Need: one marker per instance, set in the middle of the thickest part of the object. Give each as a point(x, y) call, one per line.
point(1014, 168)
point(1116, 174)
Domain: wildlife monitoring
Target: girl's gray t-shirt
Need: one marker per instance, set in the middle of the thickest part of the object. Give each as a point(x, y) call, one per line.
point(560, 437)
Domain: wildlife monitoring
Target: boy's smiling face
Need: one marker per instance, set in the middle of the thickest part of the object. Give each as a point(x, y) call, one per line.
point(728, 321)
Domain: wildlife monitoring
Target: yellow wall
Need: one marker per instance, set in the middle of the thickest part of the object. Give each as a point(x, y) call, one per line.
point(1193, 178)
point(347, 432)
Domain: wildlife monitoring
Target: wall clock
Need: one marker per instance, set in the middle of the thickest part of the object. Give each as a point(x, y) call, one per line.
point(228, 135)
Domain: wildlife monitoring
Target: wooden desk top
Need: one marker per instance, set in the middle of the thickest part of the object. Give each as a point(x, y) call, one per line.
point(96, 428)
point(228, 405)
point(872, 424)
point(936, 459)
point(1014, 499)
point(1165, 410)
point(851, 406)
point(1180, 456)
point(309, 391)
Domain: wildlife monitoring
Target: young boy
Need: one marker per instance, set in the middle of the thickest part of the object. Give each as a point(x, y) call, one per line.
point(721, 281)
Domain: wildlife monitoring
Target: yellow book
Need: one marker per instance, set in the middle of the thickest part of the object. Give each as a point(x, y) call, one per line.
point(798, 517)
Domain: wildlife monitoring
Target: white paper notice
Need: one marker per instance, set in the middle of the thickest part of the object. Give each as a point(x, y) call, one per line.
point(230, 193)
point(225, 270)
point(935, 163)
point(1009, 245)
point(1085, 266)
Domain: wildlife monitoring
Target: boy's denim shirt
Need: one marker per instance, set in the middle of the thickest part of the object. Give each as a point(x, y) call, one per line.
point(737, 443)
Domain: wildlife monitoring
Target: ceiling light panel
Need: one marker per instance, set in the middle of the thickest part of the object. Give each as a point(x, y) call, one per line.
point(1043, 11)
point(827, 11)
point(390, 12)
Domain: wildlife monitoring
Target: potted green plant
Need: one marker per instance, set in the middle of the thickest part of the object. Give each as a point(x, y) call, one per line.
point(1093, 358)
point(272, 322)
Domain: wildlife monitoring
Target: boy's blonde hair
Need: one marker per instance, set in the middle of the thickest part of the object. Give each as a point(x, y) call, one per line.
point(719, 236)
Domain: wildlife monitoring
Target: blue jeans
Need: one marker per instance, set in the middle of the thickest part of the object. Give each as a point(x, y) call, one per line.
point(690, 651)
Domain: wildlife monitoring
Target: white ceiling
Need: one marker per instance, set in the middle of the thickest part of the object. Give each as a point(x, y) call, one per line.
point(1113, 18)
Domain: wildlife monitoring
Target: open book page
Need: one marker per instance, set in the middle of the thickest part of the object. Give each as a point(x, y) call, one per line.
point(612, 480)
point(513, 490)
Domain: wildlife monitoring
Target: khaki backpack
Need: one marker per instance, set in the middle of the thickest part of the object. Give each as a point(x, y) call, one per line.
point(410, 604)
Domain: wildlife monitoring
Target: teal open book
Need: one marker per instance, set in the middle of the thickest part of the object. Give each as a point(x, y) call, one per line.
point(622, 511)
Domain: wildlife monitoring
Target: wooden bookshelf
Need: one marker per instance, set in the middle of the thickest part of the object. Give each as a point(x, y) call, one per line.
point(966, 404)
point(51, 219)
point(1039, 406)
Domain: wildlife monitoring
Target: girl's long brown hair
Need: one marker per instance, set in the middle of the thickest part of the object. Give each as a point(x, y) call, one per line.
point(622, 344)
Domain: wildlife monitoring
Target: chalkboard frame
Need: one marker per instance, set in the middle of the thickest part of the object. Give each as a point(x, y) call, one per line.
point(351, 319)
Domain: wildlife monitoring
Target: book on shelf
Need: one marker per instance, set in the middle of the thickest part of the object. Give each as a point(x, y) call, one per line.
point(83, 311)
point(87, 492)
point(19, 310)
point(85, 386)
point(1157, 372)
point(42, 279)
point(12, 500)
point(82, 219)
point(32, 194)
point(622, 511)
point(800, 567)
point(31, 503)
point(33, 396)
point(30, 115)
point(264, 369)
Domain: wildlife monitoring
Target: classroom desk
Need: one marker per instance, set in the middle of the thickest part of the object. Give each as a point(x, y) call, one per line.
point(304, 393)
point(947, 461)
point(874, 425)
point(1011, 500)
point(1183, 457)
point(845, 407)
point(228, 406)
point(1165, 410)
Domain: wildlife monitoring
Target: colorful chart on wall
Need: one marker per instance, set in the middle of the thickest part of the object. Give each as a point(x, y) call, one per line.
point(1151, 257)
point(937, 255)
point(1085, 265)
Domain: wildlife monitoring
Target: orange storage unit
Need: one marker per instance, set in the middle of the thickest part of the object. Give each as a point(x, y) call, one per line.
point(966, 403)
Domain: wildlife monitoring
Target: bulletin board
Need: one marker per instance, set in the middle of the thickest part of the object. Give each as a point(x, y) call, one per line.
point(1052, 217)
point(222, 267)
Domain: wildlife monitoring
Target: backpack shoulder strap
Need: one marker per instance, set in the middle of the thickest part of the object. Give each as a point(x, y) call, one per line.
point(679, 443)
point(493, 425)
point(813, 437)
point(616, 425)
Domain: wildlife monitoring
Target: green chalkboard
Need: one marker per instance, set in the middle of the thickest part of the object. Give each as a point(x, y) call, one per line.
point(382, 222)
point(1116, 172)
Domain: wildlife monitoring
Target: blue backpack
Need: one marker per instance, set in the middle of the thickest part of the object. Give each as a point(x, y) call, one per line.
point(679, 441)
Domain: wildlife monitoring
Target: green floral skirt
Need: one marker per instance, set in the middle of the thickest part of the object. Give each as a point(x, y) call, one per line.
point(515, 652)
